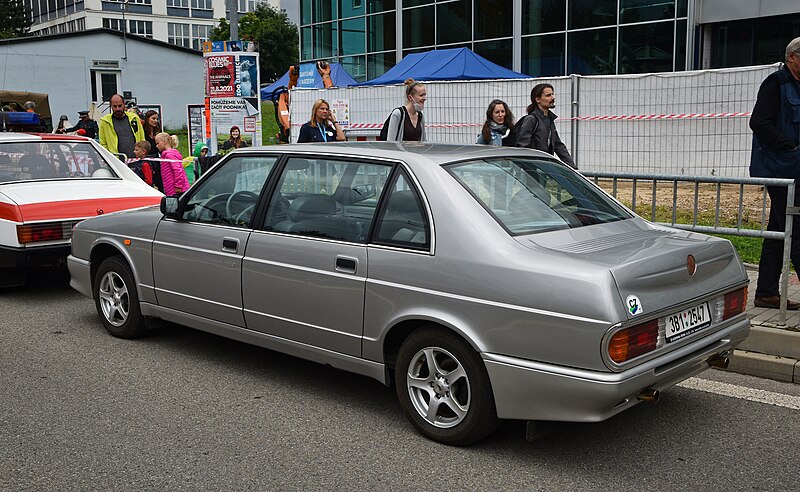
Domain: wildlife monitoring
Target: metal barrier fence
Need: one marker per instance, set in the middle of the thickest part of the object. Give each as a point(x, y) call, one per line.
point(652, 181)
point(693, 123)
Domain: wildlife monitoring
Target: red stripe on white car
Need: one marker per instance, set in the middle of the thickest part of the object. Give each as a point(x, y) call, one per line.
point(72, 209)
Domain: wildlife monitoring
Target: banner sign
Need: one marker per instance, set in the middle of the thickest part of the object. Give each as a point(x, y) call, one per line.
point(246, 76)
point(221, 76)
point(232, 93)
point(232, 113)
point(305, 79)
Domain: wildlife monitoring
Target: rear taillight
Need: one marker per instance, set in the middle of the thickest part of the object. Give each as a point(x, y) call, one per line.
point(729, 305)
point(634, 341)
point(735, 303)
point(33, 233)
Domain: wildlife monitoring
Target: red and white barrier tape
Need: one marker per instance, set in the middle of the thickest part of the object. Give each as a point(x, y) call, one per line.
point(378, 126)
point(658, 116)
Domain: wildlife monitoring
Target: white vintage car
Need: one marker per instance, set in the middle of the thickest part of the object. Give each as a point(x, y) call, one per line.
point(49, 183)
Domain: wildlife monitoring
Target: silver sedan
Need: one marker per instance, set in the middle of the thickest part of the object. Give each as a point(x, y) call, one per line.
point(486, 283)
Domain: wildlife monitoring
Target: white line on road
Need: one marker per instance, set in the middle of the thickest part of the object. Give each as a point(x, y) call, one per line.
point(743, 393)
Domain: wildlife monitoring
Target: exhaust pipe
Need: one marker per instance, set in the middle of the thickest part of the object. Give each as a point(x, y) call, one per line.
point(719, 362)
point(649, 395)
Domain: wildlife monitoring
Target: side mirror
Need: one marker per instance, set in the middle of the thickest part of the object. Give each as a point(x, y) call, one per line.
point(169, 207)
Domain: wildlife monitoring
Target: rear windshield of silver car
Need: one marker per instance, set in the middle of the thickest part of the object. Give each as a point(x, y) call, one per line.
point(51, 159)
point(530, 195)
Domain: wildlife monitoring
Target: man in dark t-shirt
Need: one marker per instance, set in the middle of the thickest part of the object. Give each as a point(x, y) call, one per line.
point(120, 130)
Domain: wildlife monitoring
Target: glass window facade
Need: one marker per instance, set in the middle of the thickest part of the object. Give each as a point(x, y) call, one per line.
point(419, 27)
point(752, 41)
point(557, 37)
point(493, 18)
point(646, 48)
point(458, 16)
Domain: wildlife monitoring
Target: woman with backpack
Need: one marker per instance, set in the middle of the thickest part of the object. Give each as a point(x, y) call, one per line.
point(406, 123)
point(499, 126)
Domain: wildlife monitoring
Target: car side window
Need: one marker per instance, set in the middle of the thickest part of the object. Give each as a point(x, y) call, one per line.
point(229, 196)
point(403, 221)
point(334, 199)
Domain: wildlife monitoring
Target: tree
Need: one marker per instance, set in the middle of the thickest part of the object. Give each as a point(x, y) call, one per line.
point(276, 36)
point(14, 19)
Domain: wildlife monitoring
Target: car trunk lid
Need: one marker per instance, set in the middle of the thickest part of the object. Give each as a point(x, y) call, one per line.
point(649, 262)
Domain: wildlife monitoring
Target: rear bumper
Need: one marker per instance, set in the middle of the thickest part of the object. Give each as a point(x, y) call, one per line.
point(80, 275)
point(12, 257)
point(528, 390)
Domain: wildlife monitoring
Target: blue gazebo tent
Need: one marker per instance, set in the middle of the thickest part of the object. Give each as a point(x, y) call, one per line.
point(451, 64)
point(310, 79)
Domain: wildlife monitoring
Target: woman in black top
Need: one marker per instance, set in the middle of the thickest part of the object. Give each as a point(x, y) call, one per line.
point(322, 127)
point(152, 127)
point(406, 123)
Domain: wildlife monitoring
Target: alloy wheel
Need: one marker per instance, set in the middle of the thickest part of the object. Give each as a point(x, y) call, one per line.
point(438, 387)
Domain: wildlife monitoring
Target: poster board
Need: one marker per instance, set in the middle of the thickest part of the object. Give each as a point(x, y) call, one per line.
point(144, 108)
point(195, 122)
point(232, 90)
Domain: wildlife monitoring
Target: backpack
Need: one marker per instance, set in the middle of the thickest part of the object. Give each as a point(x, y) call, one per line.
point(138, 168)
point(518, 124)
point(385, 130)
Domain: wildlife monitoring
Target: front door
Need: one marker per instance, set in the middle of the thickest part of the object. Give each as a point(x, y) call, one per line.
point(197, 260)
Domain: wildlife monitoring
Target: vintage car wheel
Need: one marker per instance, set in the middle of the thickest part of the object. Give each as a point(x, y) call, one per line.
point(116, 299)
point(444, 389)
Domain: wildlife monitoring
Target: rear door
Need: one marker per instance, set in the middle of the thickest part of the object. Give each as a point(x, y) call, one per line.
point(197, 261)
point(304, 273)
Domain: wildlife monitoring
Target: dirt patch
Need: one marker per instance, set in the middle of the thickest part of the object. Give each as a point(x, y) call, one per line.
point(750, 199)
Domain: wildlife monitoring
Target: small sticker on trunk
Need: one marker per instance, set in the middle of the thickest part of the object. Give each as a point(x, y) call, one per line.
point(634, 305)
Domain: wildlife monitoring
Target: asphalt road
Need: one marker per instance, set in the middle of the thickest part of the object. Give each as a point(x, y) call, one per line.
point(184, 410)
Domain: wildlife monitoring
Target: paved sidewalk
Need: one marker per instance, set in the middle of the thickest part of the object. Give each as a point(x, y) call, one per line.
point(772, 350)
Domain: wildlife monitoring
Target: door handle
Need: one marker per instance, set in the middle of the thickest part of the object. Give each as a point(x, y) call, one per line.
point(230, 245)
point(346, 265)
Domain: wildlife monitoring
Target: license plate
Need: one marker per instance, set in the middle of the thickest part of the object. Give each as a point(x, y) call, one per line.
point(686, 322)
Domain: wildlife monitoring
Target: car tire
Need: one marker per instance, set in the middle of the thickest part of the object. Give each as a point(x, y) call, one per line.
point(116, 299)
point(436, 365)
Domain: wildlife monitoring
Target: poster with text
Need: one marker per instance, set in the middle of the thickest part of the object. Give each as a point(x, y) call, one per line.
point(341, 111)
point(246, 76)
point(196, 119)
point(235, 117)
point(221, 76)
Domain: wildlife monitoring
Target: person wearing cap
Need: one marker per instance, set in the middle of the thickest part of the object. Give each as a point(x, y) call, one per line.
point(63, 123)
point(88, 125)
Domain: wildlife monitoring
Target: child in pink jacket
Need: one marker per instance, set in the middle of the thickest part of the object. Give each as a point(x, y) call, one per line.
point(172, 173)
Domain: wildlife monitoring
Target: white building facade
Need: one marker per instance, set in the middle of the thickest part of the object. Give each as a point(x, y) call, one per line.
point(82, 68)
point(184, 23)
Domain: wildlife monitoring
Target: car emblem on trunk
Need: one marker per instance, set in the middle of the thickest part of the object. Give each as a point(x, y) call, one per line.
point(691, 265)
point(634, 305)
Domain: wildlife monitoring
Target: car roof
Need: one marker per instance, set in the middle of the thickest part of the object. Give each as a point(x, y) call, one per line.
point(27, 137)
point(438, 153)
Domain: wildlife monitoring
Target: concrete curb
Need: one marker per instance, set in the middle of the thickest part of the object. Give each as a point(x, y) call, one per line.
point(768, 352)
point(771, 351)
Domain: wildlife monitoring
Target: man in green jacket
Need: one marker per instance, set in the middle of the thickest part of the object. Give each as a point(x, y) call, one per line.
point(120, 130)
